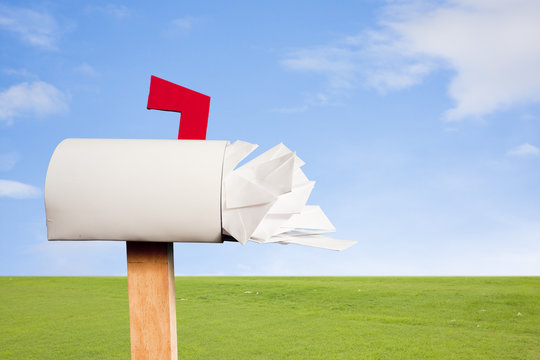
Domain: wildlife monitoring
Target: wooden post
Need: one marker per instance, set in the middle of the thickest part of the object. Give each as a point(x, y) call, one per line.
point(152, 302)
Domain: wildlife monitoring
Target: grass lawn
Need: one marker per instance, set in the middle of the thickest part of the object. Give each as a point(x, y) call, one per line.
point(281, 318)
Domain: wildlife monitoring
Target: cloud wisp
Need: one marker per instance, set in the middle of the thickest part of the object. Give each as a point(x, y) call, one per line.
point(181, 26)
point(38, 29)
point(18, 190)
point(87, 70)
point(8, 160)
point(185, 23)
point(37, 98)
point(524, 150)
point(490, 47)
point(23, 73)
point(118, 12)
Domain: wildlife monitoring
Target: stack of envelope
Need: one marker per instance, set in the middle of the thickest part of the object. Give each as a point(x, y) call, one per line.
point(265, 199)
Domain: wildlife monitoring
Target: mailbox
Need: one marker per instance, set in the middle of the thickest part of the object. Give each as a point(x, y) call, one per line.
point(135, 190)
point(181, 191)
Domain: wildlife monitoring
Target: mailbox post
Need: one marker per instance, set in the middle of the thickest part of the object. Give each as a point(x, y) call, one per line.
point(152, 304)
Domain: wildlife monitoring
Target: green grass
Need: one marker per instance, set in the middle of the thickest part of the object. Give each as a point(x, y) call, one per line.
point(282, 318)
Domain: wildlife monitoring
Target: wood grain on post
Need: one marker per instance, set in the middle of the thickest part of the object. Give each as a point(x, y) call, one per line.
point(152, 303)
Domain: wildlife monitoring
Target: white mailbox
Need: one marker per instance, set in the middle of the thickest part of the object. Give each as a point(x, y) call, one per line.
point(136, 190)
point(181, 191)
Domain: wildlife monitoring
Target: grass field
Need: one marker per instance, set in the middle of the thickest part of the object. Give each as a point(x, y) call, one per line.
point(281, 318)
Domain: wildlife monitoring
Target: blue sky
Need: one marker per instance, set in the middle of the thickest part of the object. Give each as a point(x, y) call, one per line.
point(420, 122)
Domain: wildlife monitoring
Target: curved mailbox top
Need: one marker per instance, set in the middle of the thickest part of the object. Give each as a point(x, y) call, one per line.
point(135, 190)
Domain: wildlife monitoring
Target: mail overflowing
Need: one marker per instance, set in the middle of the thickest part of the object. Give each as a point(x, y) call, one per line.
point(265, 199)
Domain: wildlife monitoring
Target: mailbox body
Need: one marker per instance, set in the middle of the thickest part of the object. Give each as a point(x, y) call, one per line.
point(135, 190)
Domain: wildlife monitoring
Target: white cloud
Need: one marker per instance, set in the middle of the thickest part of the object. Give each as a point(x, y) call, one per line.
point(339, 65)
point(35, 28)
point(524, 150)
point(8, 160)
point(314, 100)
point(36, 98)
point(18, 190)
point(118, 12)
point(86, 69)
point(18, 72)
point(291, 109)
point(491, 46)
point(528, 117)
point(184, 23)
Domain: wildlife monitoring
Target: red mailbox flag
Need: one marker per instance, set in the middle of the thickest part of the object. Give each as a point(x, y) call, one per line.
point(193, 106)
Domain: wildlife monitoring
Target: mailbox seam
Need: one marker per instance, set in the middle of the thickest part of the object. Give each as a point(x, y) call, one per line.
point(221, 191)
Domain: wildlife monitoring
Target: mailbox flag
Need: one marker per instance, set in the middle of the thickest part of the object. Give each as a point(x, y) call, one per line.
point(194, 106)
